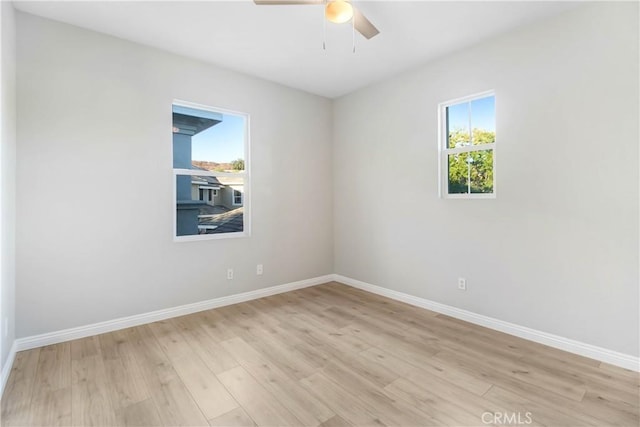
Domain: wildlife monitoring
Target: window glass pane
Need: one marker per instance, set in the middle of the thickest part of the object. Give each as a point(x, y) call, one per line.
point(458, 134)
point(209, 205)
point(471, 172)
point(208, 140)
point(483, 120)
point(458, 174)
point(481, 171)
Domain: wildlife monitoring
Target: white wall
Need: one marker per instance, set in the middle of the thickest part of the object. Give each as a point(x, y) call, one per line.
point(557, 250)
point(94, 125)
point(7, 179)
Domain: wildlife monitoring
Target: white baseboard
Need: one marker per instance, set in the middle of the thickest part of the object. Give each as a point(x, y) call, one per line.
point(6, 369)
point(154, 316)
point(572, 346)
point(594, 352)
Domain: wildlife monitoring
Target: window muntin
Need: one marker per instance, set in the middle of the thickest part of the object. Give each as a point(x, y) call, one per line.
point(467, 147)
point(210, 163)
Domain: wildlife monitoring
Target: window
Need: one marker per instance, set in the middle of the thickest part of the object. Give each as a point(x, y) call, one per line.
point(237, 197)
point(210, 158)
point(467, 143)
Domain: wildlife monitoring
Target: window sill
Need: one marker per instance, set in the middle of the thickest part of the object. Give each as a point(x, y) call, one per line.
point(202, 237)
point(469, 196)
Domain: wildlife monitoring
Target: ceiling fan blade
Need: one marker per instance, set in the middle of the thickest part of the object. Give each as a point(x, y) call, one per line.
point(286, 2)
point(363, 25)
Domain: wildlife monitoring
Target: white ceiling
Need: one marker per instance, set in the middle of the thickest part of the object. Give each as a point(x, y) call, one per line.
point(284, 43)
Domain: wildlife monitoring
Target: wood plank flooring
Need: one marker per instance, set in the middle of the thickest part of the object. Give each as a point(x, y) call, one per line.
point(328, 355)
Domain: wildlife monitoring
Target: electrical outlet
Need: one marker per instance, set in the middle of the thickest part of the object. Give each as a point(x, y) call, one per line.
point(230, 273)
point(462, 283)
point(259, 269)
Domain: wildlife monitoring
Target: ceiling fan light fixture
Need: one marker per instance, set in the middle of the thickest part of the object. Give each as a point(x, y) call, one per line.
point(338, 11)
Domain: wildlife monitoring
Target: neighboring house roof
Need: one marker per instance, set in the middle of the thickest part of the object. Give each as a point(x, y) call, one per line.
point(206, 180)
point(227, 222)
point(191, 121)
point(231, 180)
point(210, 180)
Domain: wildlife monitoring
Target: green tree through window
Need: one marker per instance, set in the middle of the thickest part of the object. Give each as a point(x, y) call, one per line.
point(471, 172)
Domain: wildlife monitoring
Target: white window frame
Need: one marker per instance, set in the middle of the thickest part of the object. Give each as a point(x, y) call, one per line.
point(246, 176)
point(233, 197)
point(444, 151)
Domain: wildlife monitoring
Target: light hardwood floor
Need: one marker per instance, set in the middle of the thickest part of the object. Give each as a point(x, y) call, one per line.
point(329, 355)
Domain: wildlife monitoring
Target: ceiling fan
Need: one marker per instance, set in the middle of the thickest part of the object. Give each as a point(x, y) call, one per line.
point(338, 11)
